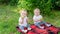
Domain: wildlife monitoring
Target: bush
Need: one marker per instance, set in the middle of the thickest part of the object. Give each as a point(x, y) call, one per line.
point(30, 5)
point(11, 2)
point(58, 3)
point(43, 5)
point(55, 4)
point(4, 1)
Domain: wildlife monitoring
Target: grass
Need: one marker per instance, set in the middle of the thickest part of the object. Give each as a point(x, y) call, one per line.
point(55, 20)
point(9, 19)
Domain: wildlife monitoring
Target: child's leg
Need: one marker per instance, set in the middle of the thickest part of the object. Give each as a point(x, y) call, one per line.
point(43, 22)
point(37, 24)
point(28, 26)
point(21, 27)
point(46, 23)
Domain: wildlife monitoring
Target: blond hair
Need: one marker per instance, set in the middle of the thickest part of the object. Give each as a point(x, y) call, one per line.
point(37, 9)
point(21, 11)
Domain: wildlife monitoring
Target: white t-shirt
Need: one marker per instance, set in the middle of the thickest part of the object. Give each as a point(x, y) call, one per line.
point(24, 21)
point(37, 18)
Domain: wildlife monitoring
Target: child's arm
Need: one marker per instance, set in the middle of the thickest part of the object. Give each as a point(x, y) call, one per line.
point(35, 20)
point(40, 19)
point(21, 20)
point(27, 20)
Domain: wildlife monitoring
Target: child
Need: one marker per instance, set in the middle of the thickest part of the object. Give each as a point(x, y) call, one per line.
point(37, 18)
point(23, 21)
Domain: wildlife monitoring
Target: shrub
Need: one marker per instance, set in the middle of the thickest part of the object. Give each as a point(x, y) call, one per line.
point(30, 5)
point(4, 1)
point(44, 5)
point(11, 2)
point(58, 3)
point(55, 4)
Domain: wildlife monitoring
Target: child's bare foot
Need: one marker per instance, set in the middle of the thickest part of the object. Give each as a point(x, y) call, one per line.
point(42, 27)
point(24, 31)
point(48, 25)
point(29, 28)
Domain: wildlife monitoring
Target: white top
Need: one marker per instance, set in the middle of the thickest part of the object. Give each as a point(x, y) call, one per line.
point(37, 18)
point(24, 21)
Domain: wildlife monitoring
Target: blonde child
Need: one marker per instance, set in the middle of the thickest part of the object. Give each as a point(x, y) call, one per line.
point(23, 21)
point(38, 19)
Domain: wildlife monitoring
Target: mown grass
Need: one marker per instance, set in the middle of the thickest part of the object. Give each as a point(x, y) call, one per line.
point(8, 20)
point(9, 16)
point(55, 20)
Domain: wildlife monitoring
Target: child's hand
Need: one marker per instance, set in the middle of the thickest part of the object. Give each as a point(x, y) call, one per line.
point(41, 19)
point(22, 17)
point(21, 22)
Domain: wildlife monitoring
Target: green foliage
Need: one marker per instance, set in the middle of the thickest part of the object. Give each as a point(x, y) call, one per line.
point(11, 2)
point(58, 3)
point(43, 5)
point(4, 1)
point(55, 4)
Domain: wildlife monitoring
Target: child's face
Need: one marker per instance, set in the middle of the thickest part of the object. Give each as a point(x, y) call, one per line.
point(24, 13)
point(36, 12)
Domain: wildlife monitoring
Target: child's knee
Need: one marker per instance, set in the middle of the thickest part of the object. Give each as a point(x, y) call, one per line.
point(21, 27)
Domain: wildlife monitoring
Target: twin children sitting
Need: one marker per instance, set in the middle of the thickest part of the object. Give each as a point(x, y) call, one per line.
point(37, 18)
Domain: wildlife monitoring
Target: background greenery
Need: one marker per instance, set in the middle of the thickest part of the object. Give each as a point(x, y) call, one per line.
point(9, 13)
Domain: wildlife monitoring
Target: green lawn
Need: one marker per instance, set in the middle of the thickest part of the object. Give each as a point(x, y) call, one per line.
point(9, 16)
